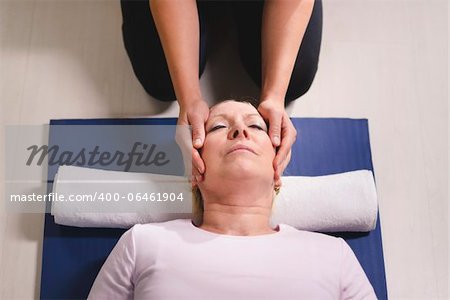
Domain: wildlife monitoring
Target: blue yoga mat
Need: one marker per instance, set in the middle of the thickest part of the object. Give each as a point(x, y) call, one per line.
point(73, 256)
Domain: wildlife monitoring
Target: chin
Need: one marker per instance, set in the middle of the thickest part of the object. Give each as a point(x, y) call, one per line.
point(243, 169)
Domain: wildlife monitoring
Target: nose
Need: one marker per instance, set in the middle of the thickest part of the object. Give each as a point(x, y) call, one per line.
point(238, 132)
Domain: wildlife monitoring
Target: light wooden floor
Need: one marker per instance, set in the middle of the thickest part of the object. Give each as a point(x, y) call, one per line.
point(382, 60)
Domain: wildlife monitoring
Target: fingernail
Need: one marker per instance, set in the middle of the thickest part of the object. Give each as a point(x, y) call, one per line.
point(276, 140)
point(197, 142)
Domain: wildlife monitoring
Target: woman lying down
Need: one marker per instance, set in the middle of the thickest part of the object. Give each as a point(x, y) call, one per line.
point(234, 253)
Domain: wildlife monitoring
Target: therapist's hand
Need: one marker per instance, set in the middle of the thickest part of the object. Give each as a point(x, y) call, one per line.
point(282, 133)
point(195, 113)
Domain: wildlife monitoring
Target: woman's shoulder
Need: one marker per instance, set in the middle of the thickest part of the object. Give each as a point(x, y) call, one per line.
point(311, 236)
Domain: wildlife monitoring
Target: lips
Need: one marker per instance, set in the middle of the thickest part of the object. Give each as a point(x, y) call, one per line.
point(241, 147)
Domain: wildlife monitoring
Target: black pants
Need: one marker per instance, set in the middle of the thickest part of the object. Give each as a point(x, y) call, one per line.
point(147, 57)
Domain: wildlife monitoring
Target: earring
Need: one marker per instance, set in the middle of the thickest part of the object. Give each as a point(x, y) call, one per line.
point(277, 190)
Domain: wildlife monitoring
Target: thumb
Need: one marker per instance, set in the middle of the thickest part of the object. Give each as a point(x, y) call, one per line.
point(275, 129)
point(198, 131)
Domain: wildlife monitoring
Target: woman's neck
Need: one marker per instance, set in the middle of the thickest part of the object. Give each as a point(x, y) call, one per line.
point(236, 217)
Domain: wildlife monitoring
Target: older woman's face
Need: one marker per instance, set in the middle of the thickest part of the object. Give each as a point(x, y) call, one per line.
point(237, 143)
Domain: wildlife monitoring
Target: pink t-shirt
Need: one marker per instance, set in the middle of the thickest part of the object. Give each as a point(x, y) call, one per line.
point(176, 260)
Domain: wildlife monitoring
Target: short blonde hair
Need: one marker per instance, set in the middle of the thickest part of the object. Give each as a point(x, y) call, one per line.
point(245, 99)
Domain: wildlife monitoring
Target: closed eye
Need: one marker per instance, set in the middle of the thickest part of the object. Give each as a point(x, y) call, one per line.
point(257, 127)
point(216, 127)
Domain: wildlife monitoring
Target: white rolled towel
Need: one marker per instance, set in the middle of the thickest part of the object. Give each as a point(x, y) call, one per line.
point(331, 203)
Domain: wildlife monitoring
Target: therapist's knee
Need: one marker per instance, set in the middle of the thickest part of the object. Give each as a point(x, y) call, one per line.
point(160, 91)
point(300, 83)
